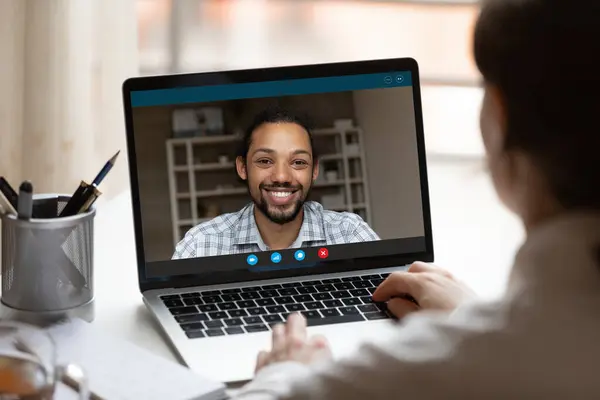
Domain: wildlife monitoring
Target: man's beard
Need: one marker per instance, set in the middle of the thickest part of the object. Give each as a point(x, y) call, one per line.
point(276, 214)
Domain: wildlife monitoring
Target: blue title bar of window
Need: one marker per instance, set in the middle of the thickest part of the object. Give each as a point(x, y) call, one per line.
point(199, 94)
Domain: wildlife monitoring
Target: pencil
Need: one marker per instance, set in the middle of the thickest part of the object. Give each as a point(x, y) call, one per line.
point(6, 206)
point(8, 192)
point(86, 194)
point(105, 170)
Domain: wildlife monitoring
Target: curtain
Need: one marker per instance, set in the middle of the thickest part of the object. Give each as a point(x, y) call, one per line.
point(61, 113)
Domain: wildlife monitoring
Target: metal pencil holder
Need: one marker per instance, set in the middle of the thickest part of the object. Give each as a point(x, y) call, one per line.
point(47, 263)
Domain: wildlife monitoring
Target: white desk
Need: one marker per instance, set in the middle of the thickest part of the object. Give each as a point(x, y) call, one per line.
point(118, 306)
point(474, 237)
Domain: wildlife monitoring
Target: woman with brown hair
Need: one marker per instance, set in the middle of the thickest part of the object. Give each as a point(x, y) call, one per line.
point(540, 62)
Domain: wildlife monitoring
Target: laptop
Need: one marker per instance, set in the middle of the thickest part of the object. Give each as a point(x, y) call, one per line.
point(261, 192)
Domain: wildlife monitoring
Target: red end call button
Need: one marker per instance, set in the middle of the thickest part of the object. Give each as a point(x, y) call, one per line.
point(323, 252)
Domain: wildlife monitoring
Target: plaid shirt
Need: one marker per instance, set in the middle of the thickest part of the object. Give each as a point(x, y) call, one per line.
point(235, 233)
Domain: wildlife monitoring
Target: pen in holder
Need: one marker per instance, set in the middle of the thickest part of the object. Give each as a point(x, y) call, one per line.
point(47, 263)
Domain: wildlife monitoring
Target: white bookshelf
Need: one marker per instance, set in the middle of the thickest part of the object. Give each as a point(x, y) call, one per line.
point(199, 174)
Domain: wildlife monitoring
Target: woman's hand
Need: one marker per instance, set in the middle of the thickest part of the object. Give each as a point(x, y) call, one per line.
point(290, 343)
point(433, 288)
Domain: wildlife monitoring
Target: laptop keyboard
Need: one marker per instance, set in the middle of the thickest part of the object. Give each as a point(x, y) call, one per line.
point(213, 313)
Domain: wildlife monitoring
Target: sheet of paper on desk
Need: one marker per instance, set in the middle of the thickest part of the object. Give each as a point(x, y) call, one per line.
point(119, 370)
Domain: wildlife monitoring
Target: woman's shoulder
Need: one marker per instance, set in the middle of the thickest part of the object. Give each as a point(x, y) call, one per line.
point(566, 245)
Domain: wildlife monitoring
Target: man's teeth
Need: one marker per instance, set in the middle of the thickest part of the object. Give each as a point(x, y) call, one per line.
point(281, 194)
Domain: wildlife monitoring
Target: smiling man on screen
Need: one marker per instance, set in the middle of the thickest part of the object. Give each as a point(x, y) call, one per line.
point(278, 162)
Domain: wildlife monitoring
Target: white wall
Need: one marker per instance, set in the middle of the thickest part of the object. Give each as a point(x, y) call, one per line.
point(387, 118)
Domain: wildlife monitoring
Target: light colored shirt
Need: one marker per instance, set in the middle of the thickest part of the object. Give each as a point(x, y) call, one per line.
point(236, 233)
point(540, 341)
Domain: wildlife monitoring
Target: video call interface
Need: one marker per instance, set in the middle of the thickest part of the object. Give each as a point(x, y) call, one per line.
point(277, 175)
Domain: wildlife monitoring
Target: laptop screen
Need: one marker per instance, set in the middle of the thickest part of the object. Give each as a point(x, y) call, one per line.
point(245, 180)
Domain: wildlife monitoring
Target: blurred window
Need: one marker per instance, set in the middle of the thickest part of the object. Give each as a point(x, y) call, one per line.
point(202, 35)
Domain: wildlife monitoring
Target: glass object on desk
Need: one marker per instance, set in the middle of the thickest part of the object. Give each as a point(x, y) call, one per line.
point(29, 367)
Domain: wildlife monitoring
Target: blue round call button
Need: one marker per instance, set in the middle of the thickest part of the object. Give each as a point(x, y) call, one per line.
point(299, 255)
point(276, 257)
point(252, 259)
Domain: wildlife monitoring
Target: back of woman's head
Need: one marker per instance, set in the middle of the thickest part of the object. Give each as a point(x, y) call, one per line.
point(543, 56)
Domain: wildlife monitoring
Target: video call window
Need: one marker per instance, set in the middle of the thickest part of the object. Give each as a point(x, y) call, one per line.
point(230, 177)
